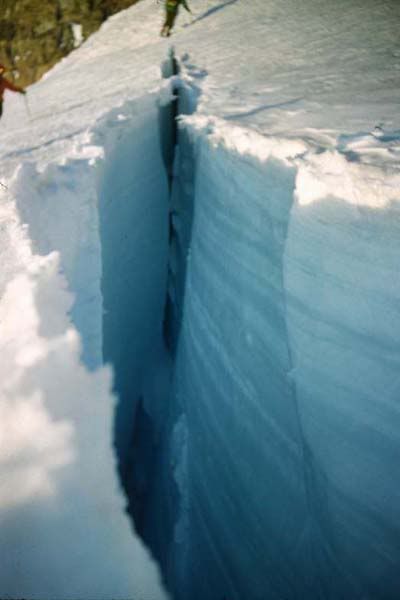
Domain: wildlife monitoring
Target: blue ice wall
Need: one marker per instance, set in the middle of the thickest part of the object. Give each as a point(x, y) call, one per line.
point(286, 384)
point(267, 469)
point(341, 273)
point(133, 210)
point(247, 520)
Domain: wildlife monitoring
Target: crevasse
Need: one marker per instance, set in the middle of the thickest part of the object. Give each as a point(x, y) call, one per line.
point(253, 345)
point(278, 412)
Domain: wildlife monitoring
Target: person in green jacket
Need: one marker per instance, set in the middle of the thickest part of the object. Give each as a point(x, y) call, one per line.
point(171, 12)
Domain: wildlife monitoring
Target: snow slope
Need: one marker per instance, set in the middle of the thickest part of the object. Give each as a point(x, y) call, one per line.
point(259, 452)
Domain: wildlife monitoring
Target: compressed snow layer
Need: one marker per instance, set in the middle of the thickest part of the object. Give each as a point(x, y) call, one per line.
point(287, 372)
point(283, 426)
point(133, 213)
point(232, 367)
point(343, 320)
point(60, 207)
point(61, 515)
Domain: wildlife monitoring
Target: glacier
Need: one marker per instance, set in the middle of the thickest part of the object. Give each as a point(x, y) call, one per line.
point(199, 309)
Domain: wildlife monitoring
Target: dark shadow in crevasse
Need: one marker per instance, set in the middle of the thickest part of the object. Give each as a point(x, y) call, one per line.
point(178, 153)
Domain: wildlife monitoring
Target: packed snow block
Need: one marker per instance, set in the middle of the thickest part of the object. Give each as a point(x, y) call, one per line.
point(244, 516)
point(133, 213)
point(63, 530)
point(286, 376)
point(59, 206)
point(343, 295)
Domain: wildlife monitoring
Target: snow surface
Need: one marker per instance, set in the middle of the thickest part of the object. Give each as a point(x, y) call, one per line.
point(269, 468)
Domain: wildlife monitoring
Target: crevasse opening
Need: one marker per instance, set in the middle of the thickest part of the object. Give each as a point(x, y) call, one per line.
point(172, 271)
point(254, 415)
point(137, 203)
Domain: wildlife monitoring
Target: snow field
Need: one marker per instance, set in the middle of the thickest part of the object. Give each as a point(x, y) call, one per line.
point(268, 468)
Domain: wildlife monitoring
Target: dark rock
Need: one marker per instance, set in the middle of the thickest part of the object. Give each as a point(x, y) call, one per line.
point(36, 34)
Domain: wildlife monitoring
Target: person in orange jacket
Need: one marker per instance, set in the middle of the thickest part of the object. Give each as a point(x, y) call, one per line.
point(171, 12)
point(7, 85)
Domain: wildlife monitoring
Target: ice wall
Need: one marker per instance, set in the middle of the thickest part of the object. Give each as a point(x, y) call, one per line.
point(343, 289)
point(133, 213)
point(285, 381)
point(63, 523)
point(133, 206)
point(246, 505)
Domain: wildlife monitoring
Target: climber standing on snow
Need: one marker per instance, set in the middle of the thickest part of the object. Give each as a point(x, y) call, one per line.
point(171, 12)
point(7, 85)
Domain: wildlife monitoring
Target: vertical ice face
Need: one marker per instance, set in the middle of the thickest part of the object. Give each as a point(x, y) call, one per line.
point(244, 495)
point(286, 372)
point(343, 290)
point(63, 527)
point(63, 530)
point(133, 208)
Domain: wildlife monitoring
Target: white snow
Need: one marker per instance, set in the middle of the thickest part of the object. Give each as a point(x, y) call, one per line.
point(77, 33)
point(281, 432)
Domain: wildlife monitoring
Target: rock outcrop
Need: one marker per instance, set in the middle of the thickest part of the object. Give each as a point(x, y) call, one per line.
point(35, 34)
